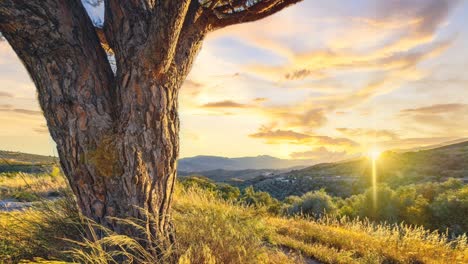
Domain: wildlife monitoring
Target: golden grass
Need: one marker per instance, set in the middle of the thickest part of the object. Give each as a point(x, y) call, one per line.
point(33, 184)
point(211, 230)
point(39, 232)
point(344, 241)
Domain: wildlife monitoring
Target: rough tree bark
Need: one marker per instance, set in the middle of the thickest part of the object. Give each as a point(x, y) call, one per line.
point(117, 133)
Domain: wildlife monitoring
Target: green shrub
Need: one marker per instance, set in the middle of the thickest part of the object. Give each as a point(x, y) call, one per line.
point(315, 203)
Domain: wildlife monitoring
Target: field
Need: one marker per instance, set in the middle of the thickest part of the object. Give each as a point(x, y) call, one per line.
point(210, 229)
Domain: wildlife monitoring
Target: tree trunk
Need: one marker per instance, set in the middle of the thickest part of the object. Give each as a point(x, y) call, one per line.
point(117, 134)
point(129, 172)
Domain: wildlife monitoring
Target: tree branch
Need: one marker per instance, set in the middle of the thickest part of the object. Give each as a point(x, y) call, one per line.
point(192, 34)
point(126, 27)
point(166, 25)
point(59, 47)
point(226, 13)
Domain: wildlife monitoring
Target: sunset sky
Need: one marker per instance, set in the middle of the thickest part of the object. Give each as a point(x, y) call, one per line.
point(323, 80)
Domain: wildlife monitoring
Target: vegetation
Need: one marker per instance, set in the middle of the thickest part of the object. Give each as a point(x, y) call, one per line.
point(421, 222)
point(216, 224)
point(345, 179)
point(436, 206)
point(26, 187)
point(315, 203)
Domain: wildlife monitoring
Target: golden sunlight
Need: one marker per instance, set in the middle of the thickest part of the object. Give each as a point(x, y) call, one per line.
point(374, 154)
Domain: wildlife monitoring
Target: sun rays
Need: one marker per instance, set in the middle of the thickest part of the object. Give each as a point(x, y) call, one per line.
point(374, 155)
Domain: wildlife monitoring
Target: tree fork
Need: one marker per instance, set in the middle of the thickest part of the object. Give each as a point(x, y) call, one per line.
point(117, 134)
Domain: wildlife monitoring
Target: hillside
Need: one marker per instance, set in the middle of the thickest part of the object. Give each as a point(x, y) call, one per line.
point(210, 229)
point(233, 176)
point(11, 161)
point(207, 163)
point(19, 157)
point(352, 177)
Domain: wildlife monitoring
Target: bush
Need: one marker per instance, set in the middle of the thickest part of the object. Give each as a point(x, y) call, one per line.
point(228, 192)
point(224, 191)
point(260, 199)
point(450, 210)
point(315, 203)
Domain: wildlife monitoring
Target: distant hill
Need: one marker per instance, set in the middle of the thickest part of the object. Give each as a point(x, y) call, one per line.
point(19, 157)
point(233, 177)
point(207, 163)
point(447, 143)
point(351, 177)
point(11, 161)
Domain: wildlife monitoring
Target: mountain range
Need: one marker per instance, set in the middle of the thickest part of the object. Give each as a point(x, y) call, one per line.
point(207, 163)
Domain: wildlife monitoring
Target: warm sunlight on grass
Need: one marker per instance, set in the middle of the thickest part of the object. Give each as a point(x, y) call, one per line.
point(212, 230)
point(27, 187)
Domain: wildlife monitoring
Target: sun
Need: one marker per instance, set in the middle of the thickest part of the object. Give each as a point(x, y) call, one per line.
point(374, 153)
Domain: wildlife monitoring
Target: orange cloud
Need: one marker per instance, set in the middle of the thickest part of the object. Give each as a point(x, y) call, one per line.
point(368, 133)
point(408, 143)
point(320, 154)
point(437, 109)
point(191, 87)
point(5, 94)
point(278, 136)
point(42, 129)
point(11, 109)
point(298, 118)
point(225, 104)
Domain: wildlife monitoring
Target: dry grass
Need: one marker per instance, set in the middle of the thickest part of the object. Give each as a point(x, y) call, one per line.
point(210, 230)
point(39, 232)
point(30, 187)
point(344, 241)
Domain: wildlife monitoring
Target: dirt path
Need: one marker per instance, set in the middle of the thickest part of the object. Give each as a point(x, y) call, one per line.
point(9, 205)
point(294, 253)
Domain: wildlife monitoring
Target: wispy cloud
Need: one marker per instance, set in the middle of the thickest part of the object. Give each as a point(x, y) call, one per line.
point(320, 154)
point(274, 136)
point(225, 104)
point(12, 109)
point(438, 118)
point(279, 136)
point(5, 94)
point(369, 133)
point(42, 129)
point(437, 109)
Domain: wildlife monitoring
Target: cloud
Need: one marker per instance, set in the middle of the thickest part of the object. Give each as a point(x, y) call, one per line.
point(225, 104)
point(330, 141)
point(437, 118)
point(260, 99)
point(191, 87)
point(320, 154)
point(5, 94)
point(279, 136)
point(407, 143)
point(321, 64)
point(298, 117)
point(42, 129)
point(428, 14)
point(11, 109)
point(368, 133)
point(437, 109)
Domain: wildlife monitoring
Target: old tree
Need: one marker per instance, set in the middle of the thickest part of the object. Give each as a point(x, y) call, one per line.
point(117, 132)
